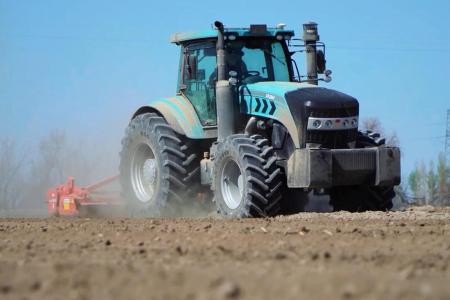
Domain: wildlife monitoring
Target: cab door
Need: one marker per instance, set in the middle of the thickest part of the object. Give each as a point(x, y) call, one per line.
point(199, 79)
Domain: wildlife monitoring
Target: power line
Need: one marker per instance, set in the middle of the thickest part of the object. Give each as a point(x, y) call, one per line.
point(144, 40)
point(394, 49)
point(147, 40)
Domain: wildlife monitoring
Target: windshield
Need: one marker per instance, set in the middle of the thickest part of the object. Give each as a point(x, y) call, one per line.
point(257, 59)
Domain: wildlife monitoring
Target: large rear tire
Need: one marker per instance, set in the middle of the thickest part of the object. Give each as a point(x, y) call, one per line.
point(158, 168)
point(246, 181)
point(363, 198)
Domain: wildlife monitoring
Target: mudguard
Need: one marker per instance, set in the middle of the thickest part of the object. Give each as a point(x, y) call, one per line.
point(181, 116)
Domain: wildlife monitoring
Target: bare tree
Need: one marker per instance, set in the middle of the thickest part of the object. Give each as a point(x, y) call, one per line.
point(443, 174)
point(393, 140)
point(51, 157)
point(11, 172)
point(23, 183)
point(417, 180)
point(432, 184)
point(374, 125)
point(56, 159)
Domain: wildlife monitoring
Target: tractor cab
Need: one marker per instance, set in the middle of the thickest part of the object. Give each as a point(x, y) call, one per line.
point(253, 55)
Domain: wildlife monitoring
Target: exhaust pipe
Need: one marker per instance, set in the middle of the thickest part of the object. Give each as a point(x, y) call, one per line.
point(221, 53)
point(311, 37)
point(224, 92)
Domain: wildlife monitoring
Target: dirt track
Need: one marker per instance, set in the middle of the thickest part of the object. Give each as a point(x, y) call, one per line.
point(397, 255)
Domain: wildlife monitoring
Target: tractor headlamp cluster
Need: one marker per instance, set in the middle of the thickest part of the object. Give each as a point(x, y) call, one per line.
point(317, 123)
point(332, 123)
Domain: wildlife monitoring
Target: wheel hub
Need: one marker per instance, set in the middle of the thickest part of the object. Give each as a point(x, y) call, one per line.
point(144, 173)
point(149, 171)
point(232, 184)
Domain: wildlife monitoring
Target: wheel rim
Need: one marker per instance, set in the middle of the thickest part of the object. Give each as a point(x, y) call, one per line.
point(144, 173)
point(232, 184)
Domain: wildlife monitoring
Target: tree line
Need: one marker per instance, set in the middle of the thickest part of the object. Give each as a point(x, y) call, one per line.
point(430, 184)
point(27, 172)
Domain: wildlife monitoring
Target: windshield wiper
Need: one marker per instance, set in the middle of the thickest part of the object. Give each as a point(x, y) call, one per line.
point(273, 56)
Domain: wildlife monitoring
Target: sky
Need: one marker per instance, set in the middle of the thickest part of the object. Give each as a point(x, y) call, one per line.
point(85, 66)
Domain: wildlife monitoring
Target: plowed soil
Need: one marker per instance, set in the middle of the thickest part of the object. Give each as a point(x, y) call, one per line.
point(394, 255)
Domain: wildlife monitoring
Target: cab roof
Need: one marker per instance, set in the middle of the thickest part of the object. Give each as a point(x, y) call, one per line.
point(254, 30)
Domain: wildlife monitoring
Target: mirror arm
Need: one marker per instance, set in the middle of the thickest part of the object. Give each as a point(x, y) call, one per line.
point(294, 63)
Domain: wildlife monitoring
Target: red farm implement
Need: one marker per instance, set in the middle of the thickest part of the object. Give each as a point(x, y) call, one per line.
point(68, 199)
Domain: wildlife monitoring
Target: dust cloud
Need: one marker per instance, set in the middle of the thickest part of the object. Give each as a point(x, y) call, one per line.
point(28, 169)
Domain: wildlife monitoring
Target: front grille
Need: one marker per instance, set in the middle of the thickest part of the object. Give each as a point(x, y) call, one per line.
point(331, 113)
point(355, 159)
point(333, 139)
point(356, 166)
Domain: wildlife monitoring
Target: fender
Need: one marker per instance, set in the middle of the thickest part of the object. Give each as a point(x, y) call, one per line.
point(181, 116)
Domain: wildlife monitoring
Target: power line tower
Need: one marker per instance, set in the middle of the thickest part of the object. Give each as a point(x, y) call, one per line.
point(447, 140)
point(447, 158)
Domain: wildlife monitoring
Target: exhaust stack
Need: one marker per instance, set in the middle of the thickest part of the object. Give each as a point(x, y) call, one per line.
point(311, 37)
point(224, 93)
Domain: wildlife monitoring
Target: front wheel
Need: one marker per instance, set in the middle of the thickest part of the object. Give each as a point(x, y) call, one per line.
point(247, 181)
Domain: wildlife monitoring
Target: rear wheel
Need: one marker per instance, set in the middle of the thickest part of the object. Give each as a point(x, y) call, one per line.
point(246, 181)
point(158, 168)
point(363, 197)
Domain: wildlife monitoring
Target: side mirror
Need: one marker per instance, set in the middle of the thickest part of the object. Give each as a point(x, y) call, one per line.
point(191, 66)
point(327, 74)
point(321, 62)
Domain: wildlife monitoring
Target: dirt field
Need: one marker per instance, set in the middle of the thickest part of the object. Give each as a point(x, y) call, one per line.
point(396, 255)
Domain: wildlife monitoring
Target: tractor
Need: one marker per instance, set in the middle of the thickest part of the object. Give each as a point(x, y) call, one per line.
point(246, 128)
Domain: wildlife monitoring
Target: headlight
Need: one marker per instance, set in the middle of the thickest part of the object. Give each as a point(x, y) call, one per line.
point(328, 123)
point(354, 122)
point(317, 123)
point(345, 123)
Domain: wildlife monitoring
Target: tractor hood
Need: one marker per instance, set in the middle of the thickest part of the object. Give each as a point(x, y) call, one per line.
point(302, 93)
point(293, 103)
point(278, 88)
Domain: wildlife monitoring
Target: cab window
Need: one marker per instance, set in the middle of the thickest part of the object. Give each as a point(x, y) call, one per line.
point(258, 59)
point(199, 80)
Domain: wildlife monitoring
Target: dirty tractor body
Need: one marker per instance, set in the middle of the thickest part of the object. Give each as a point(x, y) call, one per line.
point(248, 127)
